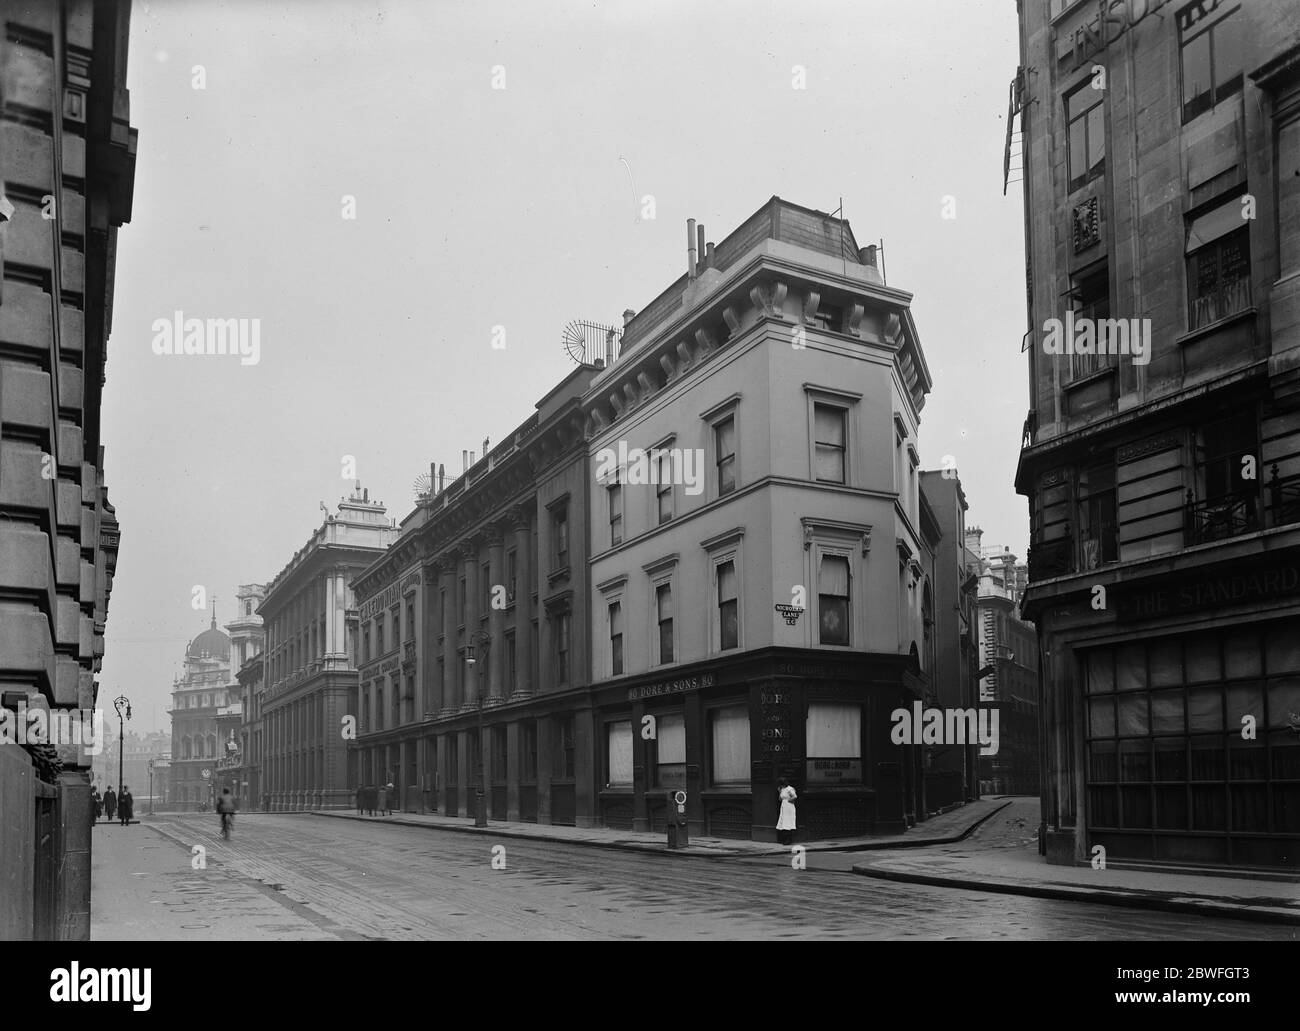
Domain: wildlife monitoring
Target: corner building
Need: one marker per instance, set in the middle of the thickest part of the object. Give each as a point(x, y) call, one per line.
point(1164, 488)
point(793, 378)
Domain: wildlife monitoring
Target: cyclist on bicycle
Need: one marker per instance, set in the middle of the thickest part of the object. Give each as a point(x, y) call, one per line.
point(226, 807)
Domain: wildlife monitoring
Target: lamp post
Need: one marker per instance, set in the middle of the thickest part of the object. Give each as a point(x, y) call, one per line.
point(484, 640)
point(123, 705)
point(150, 787)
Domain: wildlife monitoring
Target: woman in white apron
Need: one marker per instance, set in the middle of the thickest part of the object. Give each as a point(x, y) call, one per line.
point(785, 821)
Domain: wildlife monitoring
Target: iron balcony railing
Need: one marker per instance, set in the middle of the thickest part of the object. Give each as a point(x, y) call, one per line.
point(1283, 498)
point(1052, 558)
point(1217, 519)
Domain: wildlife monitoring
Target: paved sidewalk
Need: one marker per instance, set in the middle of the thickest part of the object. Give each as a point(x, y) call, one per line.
point(949, 827)
point(1002, 856)
point(145, 887)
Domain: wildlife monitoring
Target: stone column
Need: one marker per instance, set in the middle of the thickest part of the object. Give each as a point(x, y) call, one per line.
point(330, 643)
point(431, 686)
point(496, 617)
point(512, 771)
point(545, 766)
point(339, 615)
point(469, 564)
point(468, 773)
point(584, 798)
point(640, 771)
point(450, 656)
point(523, 603)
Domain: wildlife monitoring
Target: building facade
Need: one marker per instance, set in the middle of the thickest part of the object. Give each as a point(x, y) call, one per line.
point(67, 169)
point(1162, 447)
point(951, 769)
point(238, 720)
point(759, 615)
point(198, 694)
point(1008, 653)
point(309, 668)
point(472, 633)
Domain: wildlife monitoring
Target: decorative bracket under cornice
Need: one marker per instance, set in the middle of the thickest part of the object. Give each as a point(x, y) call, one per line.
point(770, 299)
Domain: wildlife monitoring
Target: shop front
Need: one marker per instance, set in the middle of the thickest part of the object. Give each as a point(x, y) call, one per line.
point(728, 731)
point(1174, 719)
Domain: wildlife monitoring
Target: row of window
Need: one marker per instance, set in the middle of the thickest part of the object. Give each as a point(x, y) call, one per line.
point(833, 732)
point(834, 597)
point(198, 747)
point(203, 701)
point(1224, 483)
point(1210, 66)
point(1218, 285)
point(830, 436)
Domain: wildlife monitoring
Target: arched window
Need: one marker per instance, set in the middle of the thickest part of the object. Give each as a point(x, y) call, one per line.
point(185, 748)
point(248, 608)
point(212, 746)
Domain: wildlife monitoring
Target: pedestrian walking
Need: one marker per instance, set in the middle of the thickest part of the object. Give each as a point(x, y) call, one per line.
point(785, 821)
point(370, 799)
point(361, 800)
point(96, 806)
point(125, 805)
point(110, 803)
point(390, 797)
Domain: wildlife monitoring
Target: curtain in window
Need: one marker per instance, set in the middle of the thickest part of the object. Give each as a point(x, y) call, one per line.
point(834, 730)
point(731, 746)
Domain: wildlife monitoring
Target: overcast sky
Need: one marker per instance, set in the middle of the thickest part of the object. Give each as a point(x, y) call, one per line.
point(477, 207)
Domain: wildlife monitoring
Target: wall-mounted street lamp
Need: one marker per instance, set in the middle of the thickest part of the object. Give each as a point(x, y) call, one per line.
point(484, 640)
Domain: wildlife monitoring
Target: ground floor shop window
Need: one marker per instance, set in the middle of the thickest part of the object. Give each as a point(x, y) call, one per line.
point(730, 746)
point(1189, 756)
point(834, 736)
point(619, 755)
point(669, 750)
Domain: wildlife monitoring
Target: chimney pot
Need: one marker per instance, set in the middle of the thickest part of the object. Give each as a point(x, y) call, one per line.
point(690, 247)
point(867, 255)
point(699, 240)
point(628, 315)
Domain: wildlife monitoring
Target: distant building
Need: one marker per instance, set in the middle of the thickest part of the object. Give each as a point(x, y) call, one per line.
point(239, 722)
point(309, 669)
point(951, 770)
point(201, 690)
point(1008, 649)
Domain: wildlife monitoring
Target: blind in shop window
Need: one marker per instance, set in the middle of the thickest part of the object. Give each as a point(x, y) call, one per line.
point(726, 582)
point(670, 735)
point(620, 752)
point(833, 576)
point(829, 424)
point(834, 731)
point(731, 746)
